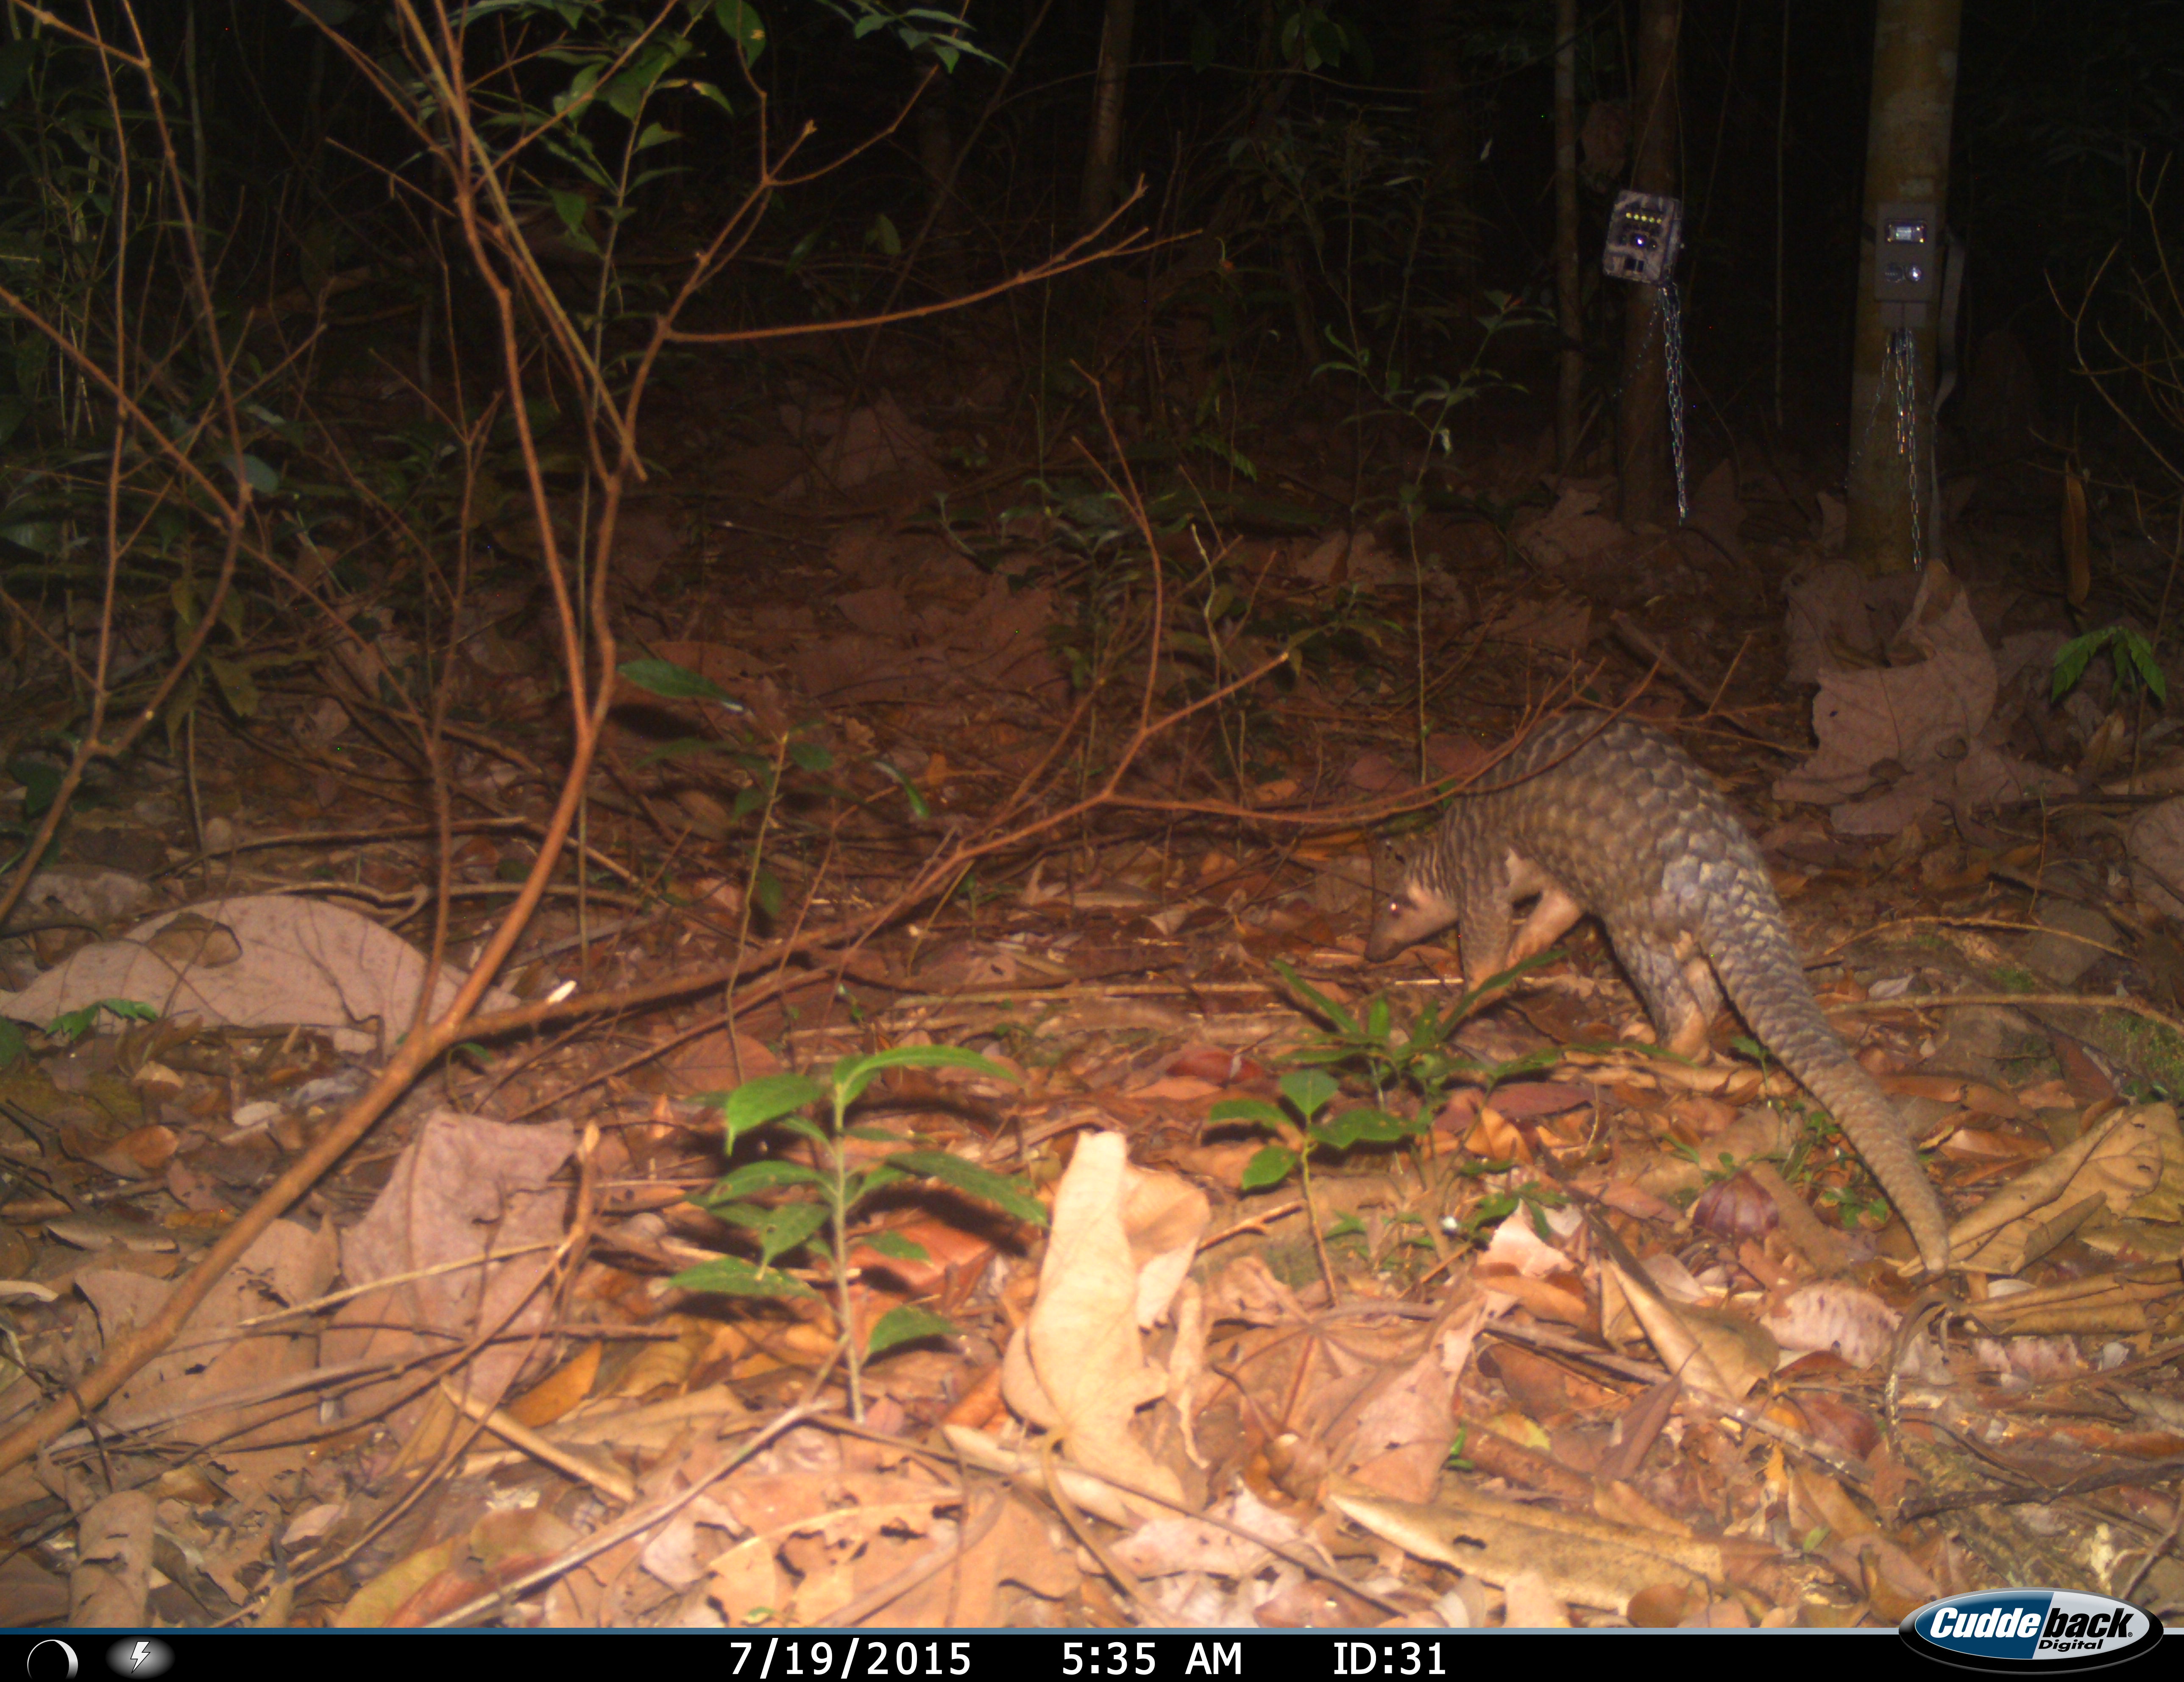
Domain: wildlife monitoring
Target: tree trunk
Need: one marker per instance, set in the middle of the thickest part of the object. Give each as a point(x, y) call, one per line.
point(1641, 429)
point(1444, 125)
point(1106, 137)
point(1907, 160)
point(1569, 385)
point(936, 158)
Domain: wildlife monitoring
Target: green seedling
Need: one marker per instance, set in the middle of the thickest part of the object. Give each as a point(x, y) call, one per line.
point(1417, 1057)
point(2128, 651)
point(801, 1200)
point(1533, 1198)
point(72, 1025)
point(1306, 1092)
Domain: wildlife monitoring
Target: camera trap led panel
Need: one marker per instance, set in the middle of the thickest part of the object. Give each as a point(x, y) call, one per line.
point(1907, 262)
point(1645, 232)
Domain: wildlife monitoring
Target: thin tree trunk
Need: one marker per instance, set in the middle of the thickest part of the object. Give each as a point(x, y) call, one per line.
point(1781, 209)
point(1642, 421)
point(1906, 161)
point(936, 157)
point(1444, 125)
point(1107, 136)
point(1569, 386)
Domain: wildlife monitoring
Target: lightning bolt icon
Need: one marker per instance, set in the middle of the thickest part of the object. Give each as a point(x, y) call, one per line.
point(137, 1654)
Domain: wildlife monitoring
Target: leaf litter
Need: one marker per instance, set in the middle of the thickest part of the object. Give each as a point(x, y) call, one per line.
point(1093, 1238)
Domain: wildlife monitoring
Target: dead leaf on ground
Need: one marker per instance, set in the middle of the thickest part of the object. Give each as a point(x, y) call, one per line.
point(466, 1190)
point(1121, 1243)
point(300, 962)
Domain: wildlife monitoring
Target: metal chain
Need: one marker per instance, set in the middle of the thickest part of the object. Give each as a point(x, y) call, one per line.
point(1672, 324)
point(1900, 373)
point(1666, 315)
point(1897, 391)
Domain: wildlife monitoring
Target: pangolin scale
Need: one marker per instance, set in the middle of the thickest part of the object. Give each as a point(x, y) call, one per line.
point(1609, 816)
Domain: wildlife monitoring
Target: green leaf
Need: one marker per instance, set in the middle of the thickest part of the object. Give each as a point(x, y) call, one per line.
point(1495, 983)
point(754, 1177)
point(261, 477)
point(1004, 1194)
point(767, 1098)
point(804, 1129)
point(905, 1324)
point(779, 1229)
point(1376, 1020)
point(13, 1047)
point(673, 682)
point(682, 747)
point(570, 207)
point(1309, 1090)
point(1319, 1002)
point(877, 1177)
point(732, 1276)
point(2072, 658)
point(1270, 1167)
point(811, 756)
point(1248, 1110)
point(41, 783)
point(1364, 1125)
point(918, 808)
point(744, 27)
point(852, 1075)
point(2140, 652)
point(235, 685)
point(896, 1247)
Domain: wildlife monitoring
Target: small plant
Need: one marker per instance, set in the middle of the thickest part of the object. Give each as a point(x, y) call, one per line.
point(1858, 1209)
point(72, 1025)
point(1418, 1057)
point(2128, 650)
point(1496, 1207)
point(1307, 1092)
point(829, 1195)
point(1726, 1167)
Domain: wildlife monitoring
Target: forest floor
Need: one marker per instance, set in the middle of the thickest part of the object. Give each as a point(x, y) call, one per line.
point(1346, 1304)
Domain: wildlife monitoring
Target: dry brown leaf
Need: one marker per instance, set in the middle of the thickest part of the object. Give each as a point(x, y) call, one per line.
point(1851, 1321)
point(113, 1575)
point(289, 1263)
point(1579, 1558)
point(2077, 558)
point(1403, 1433)
point(1121, 1243)
point(302, 962)
point(1163, 1547)
point(1084, 1491)
point(561, 1390)
point(464, 1185)
point(1529, 1604)
point(1713, 1350)
point(2112, 1167)
point(138, 1154)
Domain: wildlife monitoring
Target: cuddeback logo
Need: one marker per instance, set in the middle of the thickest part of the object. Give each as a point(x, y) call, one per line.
point(2030, 1629)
